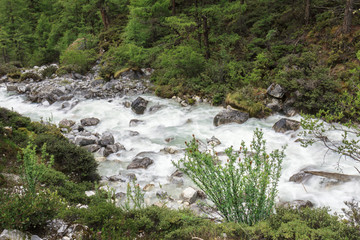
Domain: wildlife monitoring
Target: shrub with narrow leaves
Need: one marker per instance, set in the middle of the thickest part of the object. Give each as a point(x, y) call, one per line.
point(244, 187)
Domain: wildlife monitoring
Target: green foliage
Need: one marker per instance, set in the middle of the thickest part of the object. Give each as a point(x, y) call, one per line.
point(134, 198)
point(78, 60)
point(70, 159)
point(28, 211)
point(49, 71)
point(303, 224)
point(7, 68)
point(244, 188)
point(316, 88)
point(34, 167)
point(58, 182)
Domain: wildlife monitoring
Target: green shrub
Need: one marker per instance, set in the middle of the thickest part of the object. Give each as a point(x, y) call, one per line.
point(315, 87)
point(164, 91)
point(70, 159)
point(29, 211)
point(49, 71)
point(33, 166)
point(303, 224)
point(244, 188)
point(7, 68)
point(77, 60)
point(59, 182)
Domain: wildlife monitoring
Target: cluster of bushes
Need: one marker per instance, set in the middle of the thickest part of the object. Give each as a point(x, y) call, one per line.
point(72, 160)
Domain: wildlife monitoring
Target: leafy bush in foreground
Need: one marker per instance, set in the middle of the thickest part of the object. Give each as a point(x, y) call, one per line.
point(244, 188)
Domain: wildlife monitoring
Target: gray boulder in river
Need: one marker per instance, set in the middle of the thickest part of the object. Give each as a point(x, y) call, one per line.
point(139, 105)
point(230, 116)
point(140, 163)
point(89, 121)
point(284, 125)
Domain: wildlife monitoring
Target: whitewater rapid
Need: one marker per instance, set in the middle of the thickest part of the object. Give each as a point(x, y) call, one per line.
point(179, 123)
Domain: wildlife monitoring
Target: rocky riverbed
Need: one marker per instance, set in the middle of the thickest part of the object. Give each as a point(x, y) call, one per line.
point(135, 135)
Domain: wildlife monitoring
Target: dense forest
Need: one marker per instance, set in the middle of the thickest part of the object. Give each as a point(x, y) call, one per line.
point(226, 50)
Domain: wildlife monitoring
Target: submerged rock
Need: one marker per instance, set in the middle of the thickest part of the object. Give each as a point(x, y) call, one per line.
point(135, 122)
point(139, 105)
point(140, 163)
point(230, 116)
point(284, 125)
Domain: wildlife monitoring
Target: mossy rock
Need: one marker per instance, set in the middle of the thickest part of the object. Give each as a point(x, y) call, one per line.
point(107, 71)
point(7, 68)
point(164, 91)
point(118, 73)
point(250, 101)
point(14, 75)
point(30, 75)
point(49, 71)
point(63, 70)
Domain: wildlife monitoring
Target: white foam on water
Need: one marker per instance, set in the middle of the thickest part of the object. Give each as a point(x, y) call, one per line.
point(179, 123)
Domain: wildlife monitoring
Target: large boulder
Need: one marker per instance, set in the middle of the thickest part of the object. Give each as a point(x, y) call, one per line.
point(113, 148)
point(65, 123)
point(85, 140)
point(189, 195)
point(276, 91)
point(140, 163)
point(284, 125)
point(92, 148)
point(106, 139)
point(230, 116)
point(139, 105)
point(90, 121)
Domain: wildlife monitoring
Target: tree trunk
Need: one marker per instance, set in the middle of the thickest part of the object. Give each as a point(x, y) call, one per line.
point(173, 8)
point(104, 17)
point(198, 23)
point(307, 11)
point(348, 16)
point(206, 37)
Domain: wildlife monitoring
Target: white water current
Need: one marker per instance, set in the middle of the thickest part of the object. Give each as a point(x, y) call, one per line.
point(174, 121)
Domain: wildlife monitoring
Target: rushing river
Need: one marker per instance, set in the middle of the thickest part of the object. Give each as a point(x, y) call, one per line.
point(179, 123)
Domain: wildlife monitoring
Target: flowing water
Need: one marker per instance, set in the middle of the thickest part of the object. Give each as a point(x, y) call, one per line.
point(179, 123)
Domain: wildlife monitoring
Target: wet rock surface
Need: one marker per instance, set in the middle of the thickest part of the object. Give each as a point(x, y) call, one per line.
point(139, 105)
point(230, 116)
point(284, 125)
point(138, 162)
